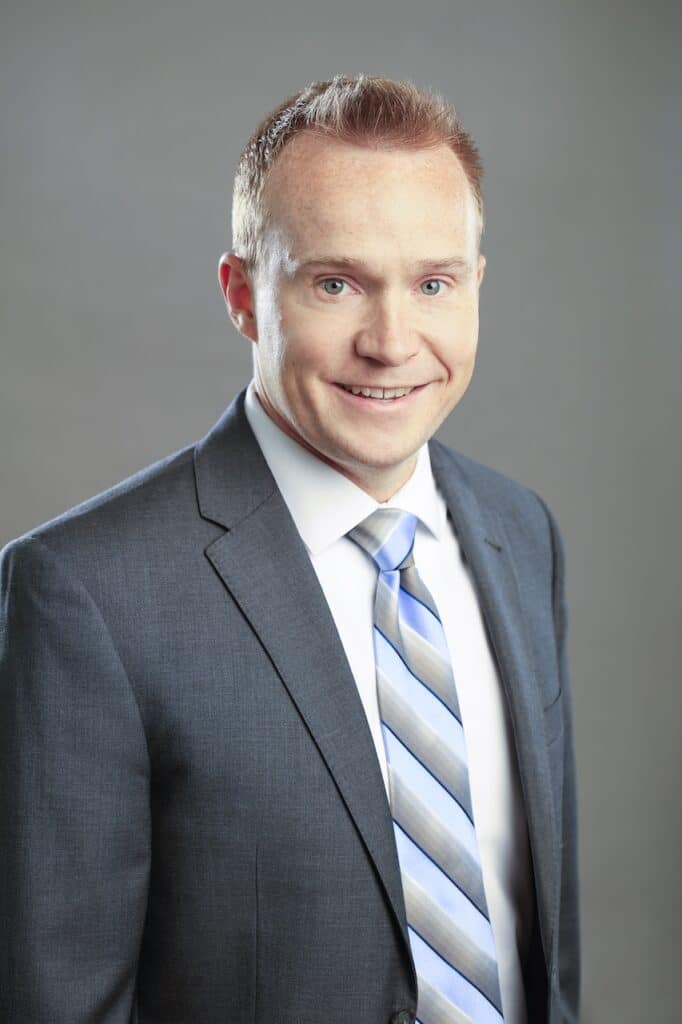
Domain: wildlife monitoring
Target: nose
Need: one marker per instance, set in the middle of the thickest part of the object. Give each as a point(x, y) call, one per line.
point(387, 337)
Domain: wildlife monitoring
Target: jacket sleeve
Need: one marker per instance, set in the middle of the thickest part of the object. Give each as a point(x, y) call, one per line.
point(568, 959)
point(74, 803)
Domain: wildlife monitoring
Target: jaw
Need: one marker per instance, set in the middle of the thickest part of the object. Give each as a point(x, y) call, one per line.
point(371, 441)
point(380, 479)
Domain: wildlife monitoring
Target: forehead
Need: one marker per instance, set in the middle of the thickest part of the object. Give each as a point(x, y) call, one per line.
point(355, 196)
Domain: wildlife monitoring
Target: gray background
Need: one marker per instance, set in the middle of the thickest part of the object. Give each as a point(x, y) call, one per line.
point(121, 124)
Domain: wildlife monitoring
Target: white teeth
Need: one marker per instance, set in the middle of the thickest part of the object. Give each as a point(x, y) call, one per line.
point(377, 392)
point(396, 392)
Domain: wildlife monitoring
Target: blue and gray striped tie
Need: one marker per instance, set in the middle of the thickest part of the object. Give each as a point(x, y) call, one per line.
point(447, 915)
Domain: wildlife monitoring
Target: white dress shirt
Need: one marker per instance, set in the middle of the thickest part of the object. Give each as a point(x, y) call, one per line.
point(325, 505)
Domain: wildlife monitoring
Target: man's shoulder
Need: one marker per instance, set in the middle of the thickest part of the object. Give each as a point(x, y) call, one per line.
point(508, 509)
point(495, 491)
point(155, 517)
point(153, 500)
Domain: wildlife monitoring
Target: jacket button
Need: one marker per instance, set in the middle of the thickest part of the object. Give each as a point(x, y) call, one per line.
point(402, 1017)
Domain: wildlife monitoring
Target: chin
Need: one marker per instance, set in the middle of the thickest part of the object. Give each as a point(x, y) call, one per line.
point(366, 461)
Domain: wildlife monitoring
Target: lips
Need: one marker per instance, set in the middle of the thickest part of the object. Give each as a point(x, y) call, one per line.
point(385, 394)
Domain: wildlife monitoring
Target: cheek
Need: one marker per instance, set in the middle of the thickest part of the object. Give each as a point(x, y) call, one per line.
point(313, 343)
point(464, 339)
point(459, 350)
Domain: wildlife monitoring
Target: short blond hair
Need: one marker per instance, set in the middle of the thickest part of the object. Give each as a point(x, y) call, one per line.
point(360, 109)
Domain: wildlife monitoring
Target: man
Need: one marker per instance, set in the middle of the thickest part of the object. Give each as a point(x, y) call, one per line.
point(286, 731)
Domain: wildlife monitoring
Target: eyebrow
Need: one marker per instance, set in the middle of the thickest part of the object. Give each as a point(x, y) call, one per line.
point(352, 263)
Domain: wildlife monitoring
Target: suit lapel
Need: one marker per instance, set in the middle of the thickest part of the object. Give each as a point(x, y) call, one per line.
point(485, 547)
point(263, 563)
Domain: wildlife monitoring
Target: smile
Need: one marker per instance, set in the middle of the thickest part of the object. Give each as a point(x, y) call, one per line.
point(383, 393)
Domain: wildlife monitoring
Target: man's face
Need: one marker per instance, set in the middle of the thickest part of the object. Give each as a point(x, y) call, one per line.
point(370, 280)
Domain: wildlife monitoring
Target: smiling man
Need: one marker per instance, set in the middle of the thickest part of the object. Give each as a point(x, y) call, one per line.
point(287, 727)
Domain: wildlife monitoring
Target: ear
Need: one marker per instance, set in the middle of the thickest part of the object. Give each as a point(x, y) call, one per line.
point(236, 287)
point(481, 269)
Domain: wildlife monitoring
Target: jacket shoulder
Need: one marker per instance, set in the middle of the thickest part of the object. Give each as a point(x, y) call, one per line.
point(146, 500)
point(507, 507)
point(497, 494)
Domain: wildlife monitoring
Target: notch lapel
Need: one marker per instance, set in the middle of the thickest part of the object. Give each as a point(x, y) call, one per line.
point(486, 549)
point(264, 565)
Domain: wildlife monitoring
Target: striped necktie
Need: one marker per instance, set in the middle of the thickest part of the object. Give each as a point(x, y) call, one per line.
point(447, 915)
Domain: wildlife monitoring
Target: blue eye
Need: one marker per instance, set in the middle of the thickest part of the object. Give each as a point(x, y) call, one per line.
point(332, 280)
point(432, 280)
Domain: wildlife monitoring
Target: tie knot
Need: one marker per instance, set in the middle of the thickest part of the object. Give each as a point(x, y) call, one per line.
point(387, 535)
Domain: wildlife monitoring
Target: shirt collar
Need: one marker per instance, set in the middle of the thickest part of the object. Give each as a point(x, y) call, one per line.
point(323, 502)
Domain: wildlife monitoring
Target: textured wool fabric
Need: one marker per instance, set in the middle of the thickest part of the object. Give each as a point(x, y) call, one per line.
point(197, 827)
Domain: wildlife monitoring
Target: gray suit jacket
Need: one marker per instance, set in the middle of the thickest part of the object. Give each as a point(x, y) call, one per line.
point(194, 826)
